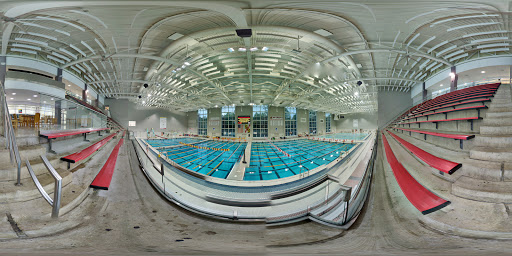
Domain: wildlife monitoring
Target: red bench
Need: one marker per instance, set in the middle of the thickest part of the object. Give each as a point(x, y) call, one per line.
point(104, 177)
point(423, 199)
point(438, 163)
point(85, 153)
point(469, 119)
point(477, 108)
point(65, 133)
point(455, 104)
point(459, 137)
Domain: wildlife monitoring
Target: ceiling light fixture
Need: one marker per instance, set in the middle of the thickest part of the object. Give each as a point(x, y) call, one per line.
point(13, 93)
point(231, 50)
point(441, 85)
point(187, 63)
point(264, 49)
point(35, 96)
point(483, 72)
point(242, 49)
point(254, 49)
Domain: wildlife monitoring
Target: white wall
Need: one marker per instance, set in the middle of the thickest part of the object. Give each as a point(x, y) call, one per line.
point(365, 121)
point(392, 104)
point(124, 111)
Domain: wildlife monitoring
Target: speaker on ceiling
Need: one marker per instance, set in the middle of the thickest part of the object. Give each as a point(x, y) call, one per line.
point(140, 96)
point(146, 85)
point(359, 83)
point(244, 32)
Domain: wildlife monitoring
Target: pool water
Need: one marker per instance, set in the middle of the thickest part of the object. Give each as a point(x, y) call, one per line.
point(171, 142)
point(268, 163)
point(215, 163)
point(345, 136)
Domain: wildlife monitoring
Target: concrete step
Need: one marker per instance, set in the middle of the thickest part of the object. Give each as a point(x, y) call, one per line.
point(499, 109)
point(502, 105)
point(10, 172)
point(484, 170)
point(503, 141)
point(490, 114)
point(501, 101)
point(491, 121)
point(483, 190)
point(28, 152)
point(491, 154)
point(495, 130)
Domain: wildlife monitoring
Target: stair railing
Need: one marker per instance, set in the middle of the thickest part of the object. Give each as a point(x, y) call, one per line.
point(10, 136)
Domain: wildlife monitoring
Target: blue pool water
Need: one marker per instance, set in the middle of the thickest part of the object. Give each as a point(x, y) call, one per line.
point(207, 161)
point(171, 142)
point(268, 163)
point(345, 136)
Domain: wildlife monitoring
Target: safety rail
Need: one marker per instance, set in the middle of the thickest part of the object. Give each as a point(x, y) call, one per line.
point(10, 138)
point(55, 202)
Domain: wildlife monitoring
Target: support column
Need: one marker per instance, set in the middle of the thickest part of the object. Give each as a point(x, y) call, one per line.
point(97, 102)
point(3, 70)
point(58, 113)
point(453, 79)
point(59, 75)
point(84, 93)
point(424, 91)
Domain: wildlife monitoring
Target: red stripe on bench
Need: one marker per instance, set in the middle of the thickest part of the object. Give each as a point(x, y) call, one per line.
point(424, 200)
point(75, 157)
point(445, 135)
point(52, 135)
point(453, 105)
point(448, 111)
point(104, 177)
point(434, 161)
point(445, 120)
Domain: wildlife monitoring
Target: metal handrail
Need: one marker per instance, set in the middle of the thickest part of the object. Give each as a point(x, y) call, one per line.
point(55, 202)
point(11, 138)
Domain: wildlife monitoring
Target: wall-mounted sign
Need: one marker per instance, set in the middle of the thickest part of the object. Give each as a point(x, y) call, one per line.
point(276, 121)
point(244, 119)
point(163, 122)
point(132, 123)
point(355, 123)
point(303, 120)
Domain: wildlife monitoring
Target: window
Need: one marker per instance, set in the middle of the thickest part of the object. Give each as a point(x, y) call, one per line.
point(312, 122)
point(202, 122)
point(290, 121)
point(327, 122)
point(132, 123)
point(260, 121)
point(228, 121)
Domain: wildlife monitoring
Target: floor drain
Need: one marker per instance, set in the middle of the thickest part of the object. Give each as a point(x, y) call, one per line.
point(136, 227)
point(108, 229)
point(179, 240)
point(14, 226)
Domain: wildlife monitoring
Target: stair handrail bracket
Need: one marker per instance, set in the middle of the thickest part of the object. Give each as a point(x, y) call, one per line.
point(57, 195)
point(10, 137)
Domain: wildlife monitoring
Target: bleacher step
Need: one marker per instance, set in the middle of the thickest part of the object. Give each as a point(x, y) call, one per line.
point(29, 152)
point(495, 130)
point(491, 154)
point(483, 190)
point(497, 141)
point(491, 121)
point(484, 170)
point(499, 114)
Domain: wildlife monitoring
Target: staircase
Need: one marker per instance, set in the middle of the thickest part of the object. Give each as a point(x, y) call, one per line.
point(488, 172)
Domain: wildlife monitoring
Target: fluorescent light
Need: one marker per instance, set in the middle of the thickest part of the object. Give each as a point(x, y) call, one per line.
point(231, 49)
point(441, 85)
point(35, 95)
point(426, 42)
point(88, 47)
point(473, 25)
point(29, 99)
point(356, 93)
point(501, 38)
point(78, 50)
point(492, 45)
point(31, 41)
point(143, 102)
point(61, 21)
point(486, 33)
point(483, 72)
point(27, 46)
point(13, 93)
point(23, 50)
point(186, 63)
point(495, 50)
point(12, 98)
point(241, 49)
point(253, 49)
point(264, 49)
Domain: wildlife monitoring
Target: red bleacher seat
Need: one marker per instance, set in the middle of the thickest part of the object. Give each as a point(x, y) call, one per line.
point(423, 199)
point(65, 133)
point(438, 163)
point(104, 177)
point(83, 154)
point(448, 111)
point(445, 135)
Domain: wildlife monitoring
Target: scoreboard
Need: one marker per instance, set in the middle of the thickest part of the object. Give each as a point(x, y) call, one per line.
point(244, 119)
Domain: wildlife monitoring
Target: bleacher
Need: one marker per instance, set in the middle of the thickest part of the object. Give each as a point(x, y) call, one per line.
point(87, 152)
point(454, 116)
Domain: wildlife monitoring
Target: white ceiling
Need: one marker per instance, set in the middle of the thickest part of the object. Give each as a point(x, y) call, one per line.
point(117, 46)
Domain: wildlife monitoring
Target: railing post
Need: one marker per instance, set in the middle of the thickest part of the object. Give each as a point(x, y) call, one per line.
point(56, 198)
